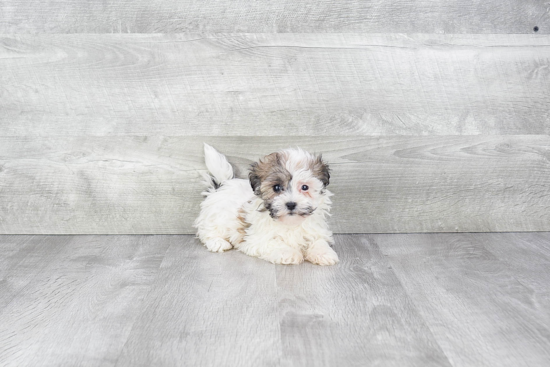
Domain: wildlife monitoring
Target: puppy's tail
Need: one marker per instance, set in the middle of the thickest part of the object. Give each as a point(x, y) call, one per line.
point(218, 166)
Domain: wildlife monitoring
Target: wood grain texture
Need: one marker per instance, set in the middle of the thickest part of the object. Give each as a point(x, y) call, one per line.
point(393, 300)
point(528, 256)
point(207, 309)
point(132, 185)
point(474, 305)
point(23, 259)
point(353, 314)
point(81, 307)
point(274, 84)
point(423, 16)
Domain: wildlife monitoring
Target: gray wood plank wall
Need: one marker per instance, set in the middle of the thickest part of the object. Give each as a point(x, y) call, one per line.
point(271, 84)
point(307, 16)
point(391, 184)
point(435, 118)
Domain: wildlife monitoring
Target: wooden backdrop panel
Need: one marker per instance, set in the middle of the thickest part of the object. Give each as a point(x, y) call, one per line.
point(126, 185)
point(374, 16)
point(274, 84)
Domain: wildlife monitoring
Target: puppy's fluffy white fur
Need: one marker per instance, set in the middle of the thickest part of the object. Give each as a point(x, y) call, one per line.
point(278, 215)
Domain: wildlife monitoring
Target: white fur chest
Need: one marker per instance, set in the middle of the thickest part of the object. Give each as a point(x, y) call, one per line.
point(264, 229)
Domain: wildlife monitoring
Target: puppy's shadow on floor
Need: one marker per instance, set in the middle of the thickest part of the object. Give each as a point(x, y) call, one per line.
point(235, 264)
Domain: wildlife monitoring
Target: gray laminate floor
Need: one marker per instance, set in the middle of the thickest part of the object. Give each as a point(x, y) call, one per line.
point(393, 300)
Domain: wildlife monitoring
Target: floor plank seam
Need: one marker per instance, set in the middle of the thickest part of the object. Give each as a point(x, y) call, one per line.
point(411, 299)
point(281, 349)
point(143, 302)
point(510, 265)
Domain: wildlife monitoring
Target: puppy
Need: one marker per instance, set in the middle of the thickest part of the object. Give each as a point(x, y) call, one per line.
point(278, 215)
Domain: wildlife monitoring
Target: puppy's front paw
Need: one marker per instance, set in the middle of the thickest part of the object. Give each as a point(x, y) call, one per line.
point(323, 255)
point(286, 256)
point(218, 245)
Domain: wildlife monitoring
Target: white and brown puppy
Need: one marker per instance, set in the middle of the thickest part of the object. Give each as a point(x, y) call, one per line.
point(278, 215)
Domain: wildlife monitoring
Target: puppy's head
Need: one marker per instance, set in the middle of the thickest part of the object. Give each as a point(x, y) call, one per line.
point(291, 183)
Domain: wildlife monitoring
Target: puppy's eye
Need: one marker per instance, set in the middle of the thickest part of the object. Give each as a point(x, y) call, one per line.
point(277, 188)
point(305, 187)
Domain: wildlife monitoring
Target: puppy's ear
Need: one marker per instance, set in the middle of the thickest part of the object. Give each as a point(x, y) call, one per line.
point(321, 170)
point(254, 178)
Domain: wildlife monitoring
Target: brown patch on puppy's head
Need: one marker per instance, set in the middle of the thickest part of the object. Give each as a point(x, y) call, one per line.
point(267, 173)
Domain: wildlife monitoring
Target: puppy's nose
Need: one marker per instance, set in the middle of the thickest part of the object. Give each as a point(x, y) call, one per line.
point(291, 205)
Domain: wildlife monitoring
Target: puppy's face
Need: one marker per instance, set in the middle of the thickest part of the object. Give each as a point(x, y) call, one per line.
point(291, 183)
